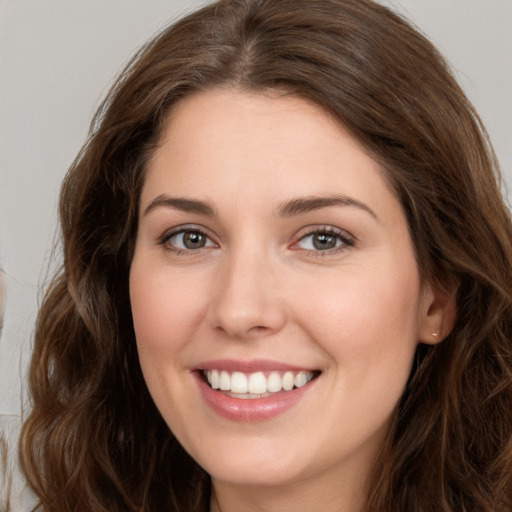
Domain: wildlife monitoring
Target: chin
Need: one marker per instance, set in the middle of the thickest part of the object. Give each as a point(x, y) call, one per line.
point(247, 474)
point(254, 464)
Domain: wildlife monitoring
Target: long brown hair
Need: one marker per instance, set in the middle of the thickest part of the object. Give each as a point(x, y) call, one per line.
point(94, 440)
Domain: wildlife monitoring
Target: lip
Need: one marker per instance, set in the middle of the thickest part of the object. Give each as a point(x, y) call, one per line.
point(250, 410)
point(255, 365)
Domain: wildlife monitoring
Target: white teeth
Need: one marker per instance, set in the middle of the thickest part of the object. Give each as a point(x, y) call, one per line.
point(214, 379)
point(224, 381)
point(238, 383)
point(256, 384)
point(300, 380)
point(288, 378)
point(274, 382)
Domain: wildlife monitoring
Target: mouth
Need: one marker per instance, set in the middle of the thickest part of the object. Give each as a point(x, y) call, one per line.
point(256, 385)
point(254, 391)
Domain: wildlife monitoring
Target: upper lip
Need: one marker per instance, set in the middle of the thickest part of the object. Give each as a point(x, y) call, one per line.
point(255, 365)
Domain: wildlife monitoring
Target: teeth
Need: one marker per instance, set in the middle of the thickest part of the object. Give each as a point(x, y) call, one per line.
point(224, 381)
point(300, 379)
point(239, 383)
point(255, 384)
point(274, 382)
point(214, 379)
point(288, 381)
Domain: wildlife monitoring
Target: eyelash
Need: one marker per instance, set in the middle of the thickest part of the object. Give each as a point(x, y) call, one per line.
point(166, 237)
point(346, 240)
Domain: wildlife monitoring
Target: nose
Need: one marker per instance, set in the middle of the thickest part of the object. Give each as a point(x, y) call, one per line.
point(248, 302)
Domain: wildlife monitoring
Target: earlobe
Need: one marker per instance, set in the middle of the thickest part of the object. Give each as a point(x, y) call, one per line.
point(439, 313)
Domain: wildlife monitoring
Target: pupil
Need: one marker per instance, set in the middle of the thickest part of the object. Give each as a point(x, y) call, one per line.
point(193, 240)
point(324, 241)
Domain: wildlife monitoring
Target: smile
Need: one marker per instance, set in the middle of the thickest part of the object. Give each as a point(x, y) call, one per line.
point(253, 391)
point(256, 385)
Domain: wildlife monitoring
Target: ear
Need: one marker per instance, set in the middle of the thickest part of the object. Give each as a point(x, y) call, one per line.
point(438, 312)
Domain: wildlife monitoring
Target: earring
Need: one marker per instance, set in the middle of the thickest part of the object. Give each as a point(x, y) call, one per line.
point(435, 335)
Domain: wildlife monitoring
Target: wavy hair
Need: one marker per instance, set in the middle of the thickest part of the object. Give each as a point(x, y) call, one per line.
point(95, 441)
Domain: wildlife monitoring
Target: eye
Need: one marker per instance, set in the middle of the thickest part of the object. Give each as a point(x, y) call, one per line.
point(187, 239)
point(324, 240)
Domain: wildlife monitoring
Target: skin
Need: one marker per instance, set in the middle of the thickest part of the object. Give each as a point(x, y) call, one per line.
point(260, 289)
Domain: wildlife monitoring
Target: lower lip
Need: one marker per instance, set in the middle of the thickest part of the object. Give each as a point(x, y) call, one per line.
point(252, 409)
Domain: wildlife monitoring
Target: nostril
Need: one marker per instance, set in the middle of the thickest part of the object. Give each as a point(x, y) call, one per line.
point(259, 329)
point(243, 327)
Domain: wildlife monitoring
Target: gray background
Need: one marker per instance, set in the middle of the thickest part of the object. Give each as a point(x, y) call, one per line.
point(57, 59)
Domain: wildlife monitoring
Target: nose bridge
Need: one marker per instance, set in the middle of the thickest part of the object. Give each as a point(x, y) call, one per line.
point(247, 302)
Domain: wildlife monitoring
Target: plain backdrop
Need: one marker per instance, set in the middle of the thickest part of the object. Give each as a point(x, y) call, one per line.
point(57, 60)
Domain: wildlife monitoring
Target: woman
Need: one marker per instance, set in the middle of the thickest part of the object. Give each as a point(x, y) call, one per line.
point(286, 282)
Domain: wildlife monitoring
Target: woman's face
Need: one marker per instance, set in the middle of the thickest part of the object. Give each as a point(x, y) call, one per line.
point(271, 254)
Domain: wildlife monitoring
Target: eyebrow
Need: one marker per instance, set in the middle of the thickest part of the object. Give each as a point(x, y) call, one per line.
point(308, 204)
point(287, 209)
point(180, 203)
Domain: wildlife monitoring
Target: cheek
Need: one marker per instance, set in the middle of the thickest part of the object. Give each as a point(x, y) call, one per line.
point(366, 321)
point(165, 311)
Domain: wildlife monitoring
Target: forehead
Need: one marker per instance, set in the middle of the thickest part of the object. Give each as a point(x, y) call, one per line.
point(225, 143)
